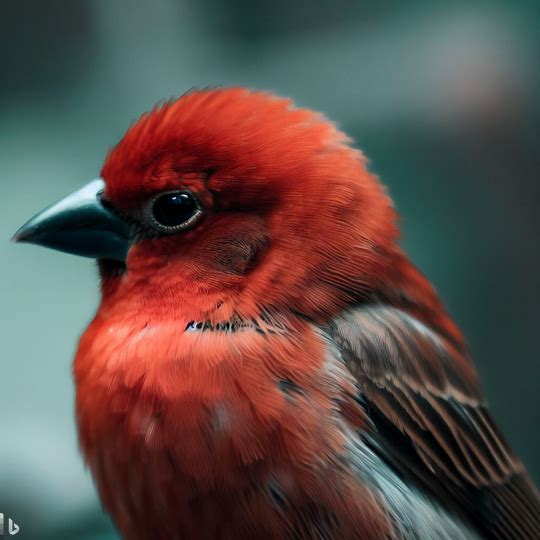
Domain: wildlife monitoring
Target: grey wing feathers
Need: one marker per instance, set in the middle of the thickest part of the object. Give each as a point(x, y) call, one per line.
point(430, 422)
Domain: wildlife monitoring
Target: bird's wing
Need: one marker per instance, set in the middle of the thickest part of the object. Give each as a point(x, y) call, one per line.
point(429, 420)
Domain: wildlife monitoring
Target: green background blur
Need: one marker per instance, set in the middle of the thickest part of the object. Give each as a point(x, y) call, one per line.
point(442, 97)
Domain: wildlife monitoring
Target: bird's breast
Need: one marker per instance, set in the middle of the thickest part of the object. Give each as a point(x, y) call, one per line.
point(174, 417)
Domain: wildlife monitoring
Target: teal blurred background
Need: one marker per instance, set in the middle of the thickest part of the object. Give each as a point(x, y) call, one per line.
point(442, 97)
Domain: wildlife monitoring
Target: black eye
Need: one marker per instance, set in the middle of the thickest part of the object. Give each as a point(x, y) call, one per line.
point(174, 211)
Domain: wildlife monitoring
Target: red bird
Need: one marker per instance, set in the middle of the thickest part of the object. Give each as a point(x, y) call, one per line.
point(266, 362)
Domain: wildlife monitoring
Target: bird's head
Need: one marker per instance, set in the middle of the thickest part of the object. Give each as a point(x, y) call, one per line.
point(232, 191)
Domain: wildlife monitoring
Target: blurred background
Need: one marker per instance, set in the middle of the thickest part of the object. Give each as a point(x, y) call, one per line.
point(442, 97)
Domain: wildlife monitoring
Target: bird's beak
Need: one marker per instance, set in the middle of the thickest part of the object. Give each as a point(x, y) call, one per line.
point(79, 224)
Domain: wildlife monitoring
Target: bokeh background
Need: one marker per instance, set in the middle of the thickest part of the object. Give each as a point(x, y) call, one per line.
point(442, 97)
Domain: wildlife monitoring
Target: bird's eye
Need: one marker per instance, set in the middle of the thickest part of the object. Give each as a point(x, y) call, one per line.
point(173, 211)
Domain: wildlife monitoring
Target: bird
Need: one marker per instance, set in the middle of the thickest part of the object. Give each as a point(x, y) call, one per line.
point(266, 362)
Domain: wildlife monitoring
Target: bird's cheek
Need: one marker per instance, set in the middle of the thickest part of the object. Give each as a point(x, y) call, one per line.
point(147, 256)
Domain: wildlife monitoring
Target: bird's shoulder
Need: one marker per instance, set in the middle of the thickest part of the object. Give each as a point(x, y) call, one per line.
point(428, 419)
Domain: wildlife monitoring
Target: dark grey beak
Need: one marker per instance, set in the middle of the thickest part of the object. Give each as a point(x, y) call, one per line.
point(79, 224)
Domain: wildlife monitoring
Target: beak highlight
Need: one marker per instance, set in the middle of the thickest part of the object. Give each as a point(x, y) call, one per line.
point(79, 224)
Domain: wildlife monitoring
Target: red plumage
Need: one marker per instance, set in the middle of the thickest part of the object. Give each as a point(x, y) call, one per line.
point(236, 372)
point(157, 388)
